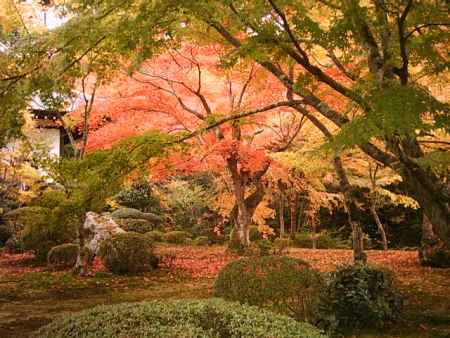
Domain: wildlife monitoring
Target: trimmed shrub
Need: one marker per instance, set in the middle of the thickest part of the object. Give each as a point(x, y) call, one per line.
point(201, 241)
point(254, 234)
point(209, 318)
point(359, 296)
point(45, 227)
point(281, 245)
point(14, 246)
point(128, 213)
point(264, 247)
point(63, 256)
point(155, 235)
point(141, 226)
point(128, 253)
point(282, 284)
point(324, 240)
point(139, 196)
point(176, 237)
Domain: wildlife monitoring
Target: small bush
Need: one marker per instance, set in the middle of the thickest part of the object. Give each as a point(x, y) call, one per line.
point(281, 245)
point(63, 256)
point(264, 247)
point(14, 246)
point(209, 318)
point(254, 234)
point(285, 285)
point(140, 226)
point(359, 296)
point(176, 237)
point(155, 235)
point(128, 253)
point(139, 196)
point(201, 241)
point(324, 240)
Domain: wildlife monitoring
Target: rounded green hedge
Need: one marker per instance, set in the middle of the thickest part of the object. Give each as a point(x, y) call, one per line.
point(128, 252)
point(155, 235)
point(180, 319)
point(360, 296)
point(176, 237)
point(282, 284)
point(63, 256)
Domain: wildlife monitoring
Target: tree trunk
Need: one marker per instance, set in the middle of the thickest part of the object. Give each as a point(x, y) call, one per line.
point(433, 251)
point(434, 202)
point(379, 225)
point(81, 268)
point(352, 212)
point(293, 209)
point(281, 215)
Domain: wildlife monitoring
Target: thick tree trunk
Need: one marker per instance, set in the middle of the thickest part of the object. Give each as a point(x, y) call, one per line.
point(433, 251)
point(433, 199)
point(379, 225)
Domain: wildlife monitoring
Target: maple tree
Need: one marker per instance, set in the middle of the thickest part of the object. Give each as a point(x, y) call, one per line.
point(185, 89)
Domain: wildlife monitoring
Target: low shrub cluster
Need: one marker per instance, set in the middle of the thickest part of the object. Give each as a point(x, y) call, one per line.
point(63, 256)
point(128, 253)
point(201, 241)
point(14, 246)
point(176, 237)
point(285, 285)
point(323, 240)
point(210, 318)
point(141, 226)
point(359, 296)
point(155, 235)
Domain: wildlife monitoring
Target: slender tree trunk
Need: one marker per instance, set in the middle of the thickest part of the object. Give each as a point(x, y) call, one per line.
point(379, 225)
point(314, 234)
point(293, 208)
point(281, 215)
point(352, 212)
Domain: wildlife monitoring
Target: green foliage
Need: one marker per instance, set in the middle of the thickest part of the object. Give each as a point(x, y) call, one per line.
point(141, 226)
point(201, 241)
point(128, 253)
point(359, 296)
point(14, 246)
point(186, 201)
point(285, 285)
point(396, 110)
point(180, 318)
point(264, 247)
point(139, 196)
point(155, 235)
point(48, 225)
point(324, 240)
point(281, 245)
point(254, 234)
point(176, 237)
point(63, 256)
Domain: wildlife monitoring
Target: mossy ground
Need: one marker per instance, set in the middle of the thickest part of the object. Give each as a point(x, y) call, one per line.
point(31, 297)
